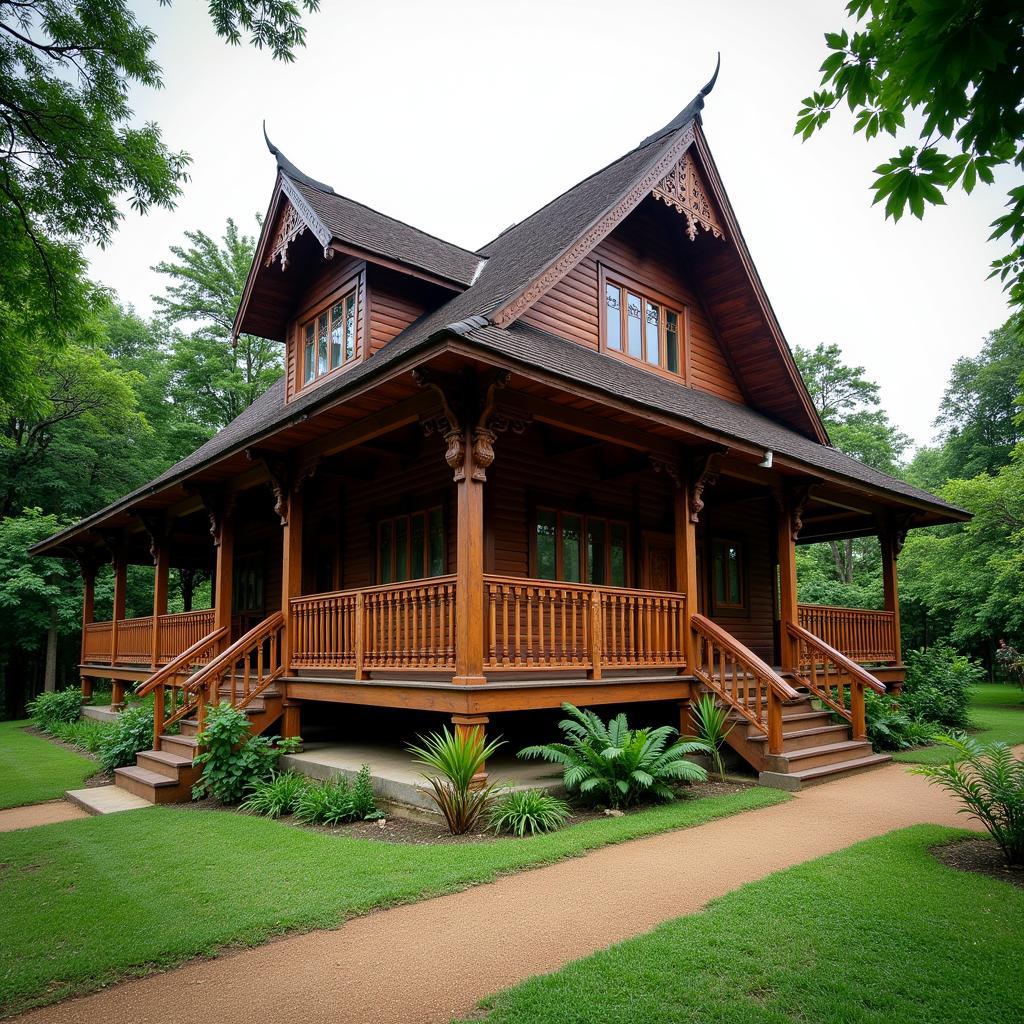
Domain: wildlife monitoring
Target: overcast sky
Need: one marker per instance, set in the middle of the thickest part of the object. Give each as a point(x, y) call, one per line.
point(462, 117)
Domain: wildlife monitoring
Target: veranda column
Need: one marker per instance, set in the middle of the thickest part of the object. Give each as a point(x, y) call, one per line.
point(224, 576)
point(890, 581)
point(786, 547)
point(686, 583)
point(469, 455)
point(120, 585)
point(161, 567)
point(291, 586)
point(88, 567)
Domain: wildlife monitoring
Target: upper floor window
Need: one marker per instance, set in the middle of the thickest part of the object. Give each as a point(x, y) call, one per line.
point(329, 339)
point(642, 326)
point(411, 547)
point(574, 548)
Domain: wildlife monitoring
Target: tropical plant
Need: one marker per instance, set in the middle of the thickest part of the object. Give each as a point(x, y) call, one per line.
point(56, 707)
point(937, 687)
point(989, 781)
point(364, 801)
point(528, 811)
point(616, 764)
point(455, 759)
point(713, 728)
point(890, 727)
point(130, 734)
point(278, 795)
point(232, 760)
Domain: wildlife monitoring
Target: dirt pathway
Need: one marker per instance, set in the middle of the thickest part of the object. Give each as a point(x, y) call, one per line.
point(39, 814)
point(435, 959)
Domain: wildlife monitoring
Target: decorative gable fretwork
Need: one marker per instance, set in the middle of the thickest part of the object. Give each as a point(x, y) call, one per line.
point(296, 216)
point(684, 189)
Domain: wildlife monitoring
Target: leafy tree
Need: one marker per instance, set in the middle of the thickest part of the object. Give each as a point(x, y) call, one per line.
point(213, 380)
point(956, 65)
point(835, 388)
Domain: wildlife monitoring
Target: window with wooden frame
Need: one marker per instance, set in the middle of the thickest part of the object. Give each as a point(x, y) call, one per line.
point(573, 548)
point(412, 546)
point(642, 325)
point(327, 340)
point(728, 575)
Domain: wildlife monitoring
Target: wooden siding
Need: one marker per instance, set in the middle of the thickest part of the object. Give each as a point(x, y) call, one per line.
point(395, 301)
point(642, 250)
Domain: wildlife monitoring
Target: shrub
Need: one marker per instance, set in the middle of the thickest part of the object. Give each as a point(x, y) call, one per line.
point(456, 758)
point(528, 811)
point(1010, 663)
point(60, 706)
point(364, 802)
point(86, 734)
point(232, 760)
point(989, 782)
point(617, 764)
point(280, 794)
point(132, 732)
point(713, 727)
point(937, 686)
point(890, 727)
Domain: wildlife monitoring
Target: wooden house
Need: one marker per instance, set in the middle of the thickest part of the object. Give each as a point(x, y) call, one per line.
point(572, 465)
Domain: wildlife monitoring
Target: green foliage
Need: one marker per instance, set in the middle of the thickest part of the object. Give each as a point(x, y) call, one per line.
point(276, 796)
point(1010, 663)
point(130, 734)
point(335, 801)
point(890, 727)
point(455, 759)
point(989, 781)
point(955, 65)
point(273, 24)
point(936, 689)
point(618, 765)
point(232, 760)
point(58, 707)
point(713, 728)
point(85, 734)
point(528, 812)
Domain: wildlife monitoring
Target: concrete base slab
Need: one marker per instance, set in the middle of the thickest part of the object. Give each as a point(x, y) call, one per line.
point(99, 713)
point(106, 800)
point(397, 779)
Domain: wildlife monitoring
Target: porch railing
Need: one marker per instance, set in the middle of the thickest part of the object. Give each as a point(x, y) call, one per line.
point(176, 633)
point(179, 631)
point(863, 635)
point(96, 640)
point(135, 641)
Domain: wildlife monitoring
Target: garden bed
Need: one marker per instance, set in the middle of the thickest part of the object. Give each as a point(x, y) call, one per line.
point(980, 856)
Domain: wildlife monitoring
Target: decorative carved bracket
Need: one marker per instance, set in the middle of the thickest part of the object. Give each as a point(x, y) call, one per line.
point(684, 189)
point(669, 467)
point(445, 423)
point(897, 526)
point(793, 502)
point(289, 226)
point(705, 474)
point(280, 478)
point(218, 506)
point(89, 561)
point(113, 541)
point(157, 528)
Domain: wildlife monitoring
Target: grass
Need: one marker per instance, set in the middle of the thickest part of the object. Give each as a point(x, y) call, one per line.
point(876, 933)
point(997, 713)
point(33, 769)
point(86, 902)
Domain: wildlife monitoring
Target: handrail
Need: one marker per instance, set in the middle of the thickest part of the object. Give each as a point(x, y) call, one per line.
point(881, 612)
point(726, 639)
point(174, 666)
point(846, 663)
point(241, 646)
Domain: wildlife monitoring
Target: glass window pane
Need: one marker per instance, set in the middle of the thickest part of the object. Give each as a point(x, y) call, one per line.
point(308, 365)
point(613, 318)
point(337, 326)
point(436, 543)
point(350, 327)
point(672, 340)
point(386, 549)
point(417, 549)
point(546, 544)
point(617, 556)
point(321, 360)
point(401, 549)
point(652, 318)
point(595, 551)
point(634, 326)
point(718, 573)
point(571, 548)
point(733, 561)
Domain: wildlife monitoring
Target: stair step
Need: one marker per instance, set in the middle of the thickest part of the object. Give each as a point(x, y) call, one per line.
point(165, 762)
point(801, 739)
point(795, 781)
point(183, 746)
point(812, 757)
point(151, 786)
point(144, 775)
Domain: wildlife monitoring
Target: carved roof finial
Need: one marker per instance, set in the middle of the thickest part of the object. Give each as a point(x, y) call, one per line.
point(690, 112)
point(287, 167)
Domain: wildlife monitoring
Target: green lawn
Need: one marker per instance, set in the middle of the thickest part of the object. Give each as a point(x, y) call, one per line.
point(33, 769)
point(877, 933)
point(87, 901)
point(997, 712)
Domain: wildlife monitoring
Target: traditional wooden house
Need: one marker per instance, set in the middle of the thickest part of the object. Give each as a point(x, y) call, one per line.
point(572, 465)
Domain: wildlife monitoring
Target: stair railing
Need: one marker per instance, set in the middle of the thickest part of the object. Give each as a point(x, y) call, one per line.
point(828, 674)
point(175, 677)
point(746, 684)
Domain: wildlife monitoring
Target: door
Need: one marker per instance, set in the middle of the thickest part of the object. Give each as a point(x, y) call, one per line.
point(659, 561)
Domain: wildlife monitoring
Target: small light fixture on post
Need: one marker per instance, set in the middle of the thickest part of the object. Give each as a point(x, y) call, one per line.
point(766, 462)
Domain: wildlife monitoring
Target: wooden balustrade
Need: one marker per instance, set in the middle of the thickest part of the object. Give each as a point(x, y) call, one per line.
point(135, 641)
point(175, 633)
point(179, 631)
point(835, 679)
point(96, 641)
point(862, 634)
point(749, 686)
point(642, 628)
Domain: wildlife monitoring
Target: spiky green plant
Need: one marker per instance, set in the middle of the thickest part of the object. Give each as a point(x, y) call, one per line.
point(989, 781)
point(528, 811)
point(455, 759)
point(326, 803)
point(713, 727)
point(618, 765)
point(280, 794)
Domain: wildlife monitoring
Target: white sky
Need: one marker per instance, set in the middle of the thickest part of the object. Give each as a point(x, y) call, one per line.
point(462, 117)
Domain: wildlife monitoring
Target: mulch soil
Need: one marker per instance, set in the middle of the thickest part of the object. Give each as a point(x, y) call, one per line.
point(983, 857)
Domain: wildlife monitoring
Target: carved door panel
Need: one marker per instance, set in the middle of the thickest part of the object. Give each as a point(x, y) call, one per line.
point(659, 564)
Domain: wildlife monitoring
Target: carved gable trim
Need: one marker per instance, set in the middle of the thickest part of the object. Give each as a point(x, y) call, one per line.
point(295, 217)
point(683, 189)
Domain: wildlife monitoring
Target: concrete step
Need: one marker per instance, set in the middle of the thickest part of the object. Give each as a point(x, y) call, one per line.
point(813, 757)
point(157, 789)
point(795, 781)
point(106, 800)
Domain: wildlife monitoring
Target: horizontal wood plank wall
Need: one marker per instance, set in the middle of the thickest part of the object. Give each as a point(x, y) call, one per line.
point(640, 249)
point(753, 524)
point(395, 301)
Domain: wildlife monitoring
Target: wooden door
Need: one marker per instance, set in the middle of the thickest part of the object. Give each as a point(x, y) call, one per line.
point(659, 562)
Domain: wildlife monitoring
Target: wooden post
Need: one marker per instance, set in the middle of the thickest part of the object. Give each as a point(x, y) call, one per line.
point(291, 727)
point(161, 568)
point(891, 587)
point(120, 584)
point(291, 572)
point(786, 548)
point(596, 633)
point(359, 641)
point(473, 725)
point(88, 568)
point(686, 567)
point(469, 567)
point(858, 718)
point(775, 741)
point(224, 576)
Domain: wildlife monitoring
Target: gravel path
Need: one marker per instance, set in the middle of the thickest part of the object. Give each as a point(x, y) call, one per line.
point(434, 960)
point(39, 814)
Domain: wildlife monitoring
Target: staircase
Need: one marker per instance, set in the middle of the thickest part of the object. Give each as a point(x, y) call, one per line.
point(244, 676)
point(777, 727)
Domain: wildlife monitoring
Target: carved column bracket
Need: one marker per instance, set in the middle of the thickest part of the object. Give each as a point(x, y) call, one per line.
point(218, 507)
point(896, 526)
point(89, 561)
point(157, 529)
point(793, 501)
point(670, 467)
point(703, 474)
point(280, 477)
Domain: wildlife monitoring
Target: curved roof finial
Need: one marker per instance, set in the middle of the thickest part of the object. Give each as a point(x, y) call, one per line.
point(704, 92)
point(689, 113)
point(287, 167)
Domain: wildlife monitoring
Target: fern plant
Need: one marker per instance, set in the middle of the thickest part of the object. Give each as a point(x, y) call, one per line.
point(989, 782)
point(455, 759)
point(713, 728)
point(618, 765)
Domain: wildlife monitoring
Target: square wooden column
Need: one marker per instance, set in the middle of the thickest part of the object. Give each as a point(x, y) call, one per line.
point(224, 574)
point(161, 568)
point(686, 565)
point(470, 465)
point(786, 552)
point(120, 585)
point(891, 588)
point(291, 570)
point(88, 567)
